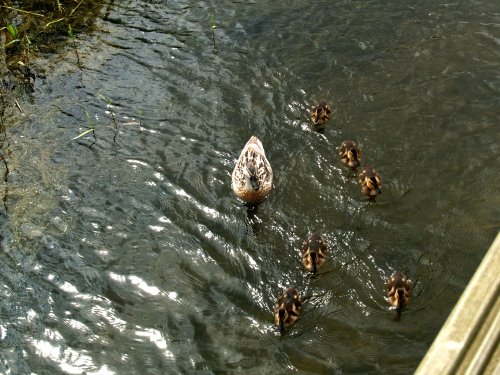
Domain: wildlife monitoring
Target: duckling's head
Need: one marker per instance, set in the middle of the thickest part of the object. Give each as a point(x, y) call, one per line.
point(314, 252)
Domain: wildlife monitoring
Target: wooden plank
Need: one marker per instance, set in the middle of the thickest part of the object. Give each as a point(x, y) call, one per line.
point(469, 340)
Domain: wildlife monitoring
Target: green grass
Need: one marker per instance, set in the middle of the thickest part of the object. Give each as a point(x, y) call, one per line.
point(89, 130)
point(14, 33)
point(109, 103)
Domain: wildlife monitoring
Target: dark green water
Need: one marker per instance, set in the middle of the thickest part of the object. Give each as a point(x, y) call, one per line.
point(133, 257)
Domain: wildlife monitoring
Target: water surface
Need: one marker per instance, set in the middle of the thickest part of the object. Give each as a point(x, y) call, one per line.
point(130, 254)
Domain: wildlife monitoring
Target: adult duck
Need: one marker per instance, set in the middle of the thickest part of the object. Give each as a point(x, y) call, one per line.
point(252, 178)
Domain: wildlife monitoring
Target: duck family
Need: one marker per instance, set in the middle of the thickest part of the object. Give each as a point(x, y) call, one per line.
point(252, 181)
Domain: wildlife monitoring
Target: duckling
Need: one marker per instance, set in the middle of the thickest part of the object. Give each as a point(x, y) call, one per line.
point(370, 182)
point(321, 113)
point(287, 309)
point(314, 252)
point(398, 290)
point(350, 154)
point(252, 178)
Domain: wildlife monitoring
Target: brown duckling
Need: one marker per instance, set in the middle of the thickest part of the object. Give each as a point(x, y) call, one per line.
point(287, 309)
point(314, 251)
point(350, 154)
point(398, 290)
point(370, 182)
point(321, 113)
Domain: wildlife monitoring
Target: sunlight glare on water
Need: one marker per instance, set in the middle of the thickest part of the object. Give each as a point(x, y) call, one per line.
point(130, 254)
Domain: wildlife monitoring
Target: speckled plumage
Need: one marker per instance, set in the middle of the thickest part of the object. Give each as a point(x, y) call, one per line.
point(314, 251)
point(398, 290)
point(350, 154)
point(321, 113)
point(370, 182)
point(287, 309)
point(252, 178)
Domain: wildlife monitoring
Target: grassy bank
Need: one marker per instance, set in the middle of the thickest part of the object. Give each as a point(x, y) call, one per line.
point(42, 26)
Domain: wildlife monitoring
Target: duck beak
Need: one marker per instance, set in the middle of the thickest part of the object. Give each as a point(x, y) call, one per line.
point(313, 258)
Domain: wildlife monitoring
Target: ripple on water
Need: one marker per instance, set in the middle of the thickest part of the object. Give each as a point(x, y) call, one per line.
point(131, 255)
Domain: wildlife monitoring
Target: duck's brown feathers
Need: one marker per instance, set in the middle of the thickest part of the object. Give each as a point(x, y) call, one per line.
point(252, 178)
point(287, 309)
point(370, 182)
point(314, 251)
point(321, 113)
point(398, 290)
point(350, 154)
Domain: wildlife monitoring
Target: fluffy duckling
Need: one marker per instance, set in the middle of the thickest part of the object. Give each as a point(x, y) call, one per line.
point(287, 309)
point(321, 113)
point(252, 178)
point(370, 182)
point(314, 252)
point(398, 290)
point(350, 154)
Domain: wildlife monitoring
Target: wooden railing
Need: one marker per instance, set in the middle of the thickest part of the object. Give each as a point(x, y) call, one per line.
point(468, 343)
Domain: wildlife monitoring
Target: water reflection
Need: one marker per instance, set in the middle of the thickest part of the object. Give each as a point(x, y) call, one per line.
point(133, 256)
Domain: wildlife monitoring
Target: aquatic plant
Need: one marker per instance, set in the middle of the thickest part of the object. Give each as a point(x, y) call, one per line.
point(59, 6)
point(43, 23)
point(91, 128)
point(12, 29)
point(109, 103)
point(213, 26)
point(72, 37)
point(25, 42)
